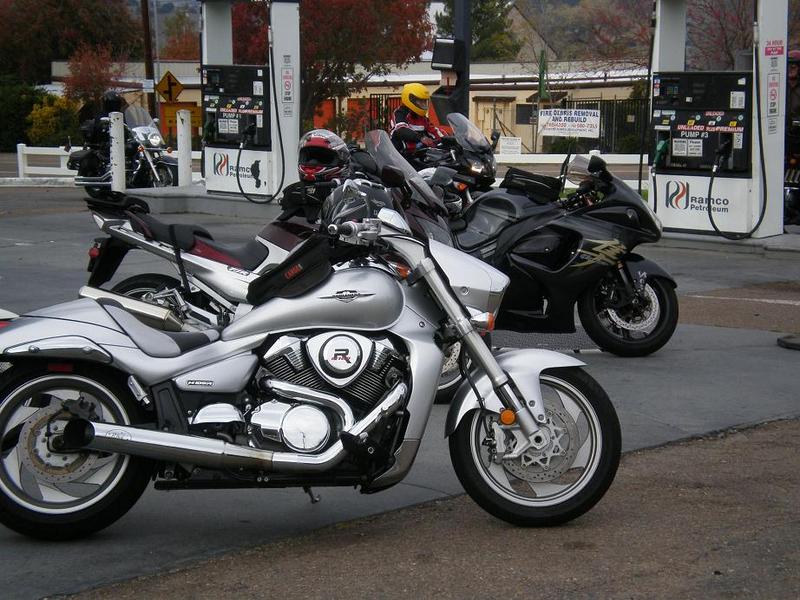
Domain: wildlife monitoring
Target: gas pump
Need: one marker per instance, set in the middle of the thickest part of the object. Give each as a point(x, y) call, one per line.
point(251, 113)
point(716, 146)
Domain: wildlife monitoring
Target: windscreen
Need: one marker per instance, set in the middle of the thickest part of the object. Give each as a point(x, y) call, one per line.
point(380, 147)
point(467, 134)
point(137, 116)
point(579, 170)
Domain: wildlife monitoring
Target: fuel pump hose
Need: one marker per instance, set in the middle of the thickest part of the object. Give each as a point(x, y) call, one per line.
point(722, 154)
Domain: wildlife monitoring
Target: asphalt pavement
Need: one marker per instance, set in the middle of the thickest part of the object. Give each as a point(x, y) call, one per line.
point(715, 373)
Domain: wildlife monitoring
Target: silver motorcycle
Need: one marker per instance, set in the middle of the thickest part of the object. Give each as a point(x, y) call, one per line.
point(327, 380)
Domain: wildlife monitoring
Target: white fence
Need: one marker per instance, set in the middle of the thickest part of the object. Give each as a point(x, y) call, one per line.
point(25, 169)
point(28, 170)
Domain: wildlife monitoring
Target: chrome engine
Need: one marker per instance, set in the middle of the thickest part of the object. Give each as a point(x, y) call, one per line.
point(320, 386)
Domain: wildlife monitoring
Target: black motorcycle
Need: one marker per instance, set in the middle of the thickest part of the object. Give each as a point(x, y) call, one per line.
point(468, 152)
point(147, 163)
point(559, 253)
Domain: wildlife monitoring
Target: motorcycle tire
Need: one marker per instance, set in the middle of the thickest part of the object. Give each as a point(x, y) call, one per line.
point(59, 496)
point(561, 480)
point(166, 176)
point(142, 287)
point(630, 337)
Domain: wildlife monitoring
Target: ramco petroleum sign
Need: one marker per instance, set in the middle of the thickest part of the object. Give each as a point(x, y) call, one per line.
point(678, 197)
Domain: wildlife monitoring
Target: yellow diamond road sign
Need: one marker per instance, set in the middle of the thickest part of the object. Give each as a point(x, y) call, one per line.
point(169, 87)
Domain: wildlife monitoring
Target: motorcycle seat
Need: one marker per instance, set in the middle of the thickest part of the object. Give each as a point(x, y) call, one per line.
point(246, 256)
point(153, 229)
point(79, 155)
point(494, 211)
point(154, 342)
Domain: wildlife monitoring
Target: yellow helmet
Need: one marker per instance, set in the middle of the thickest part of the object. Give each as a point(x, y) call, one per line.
point(415, 97)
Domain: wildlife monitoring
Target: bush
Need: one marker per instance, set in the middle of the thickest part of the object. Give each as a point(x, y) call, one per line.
point(52, 121)
point(16, 102)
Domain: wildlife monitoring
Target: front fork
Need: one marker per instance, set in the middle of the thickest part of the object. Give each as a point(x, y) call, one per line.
point(529, 411)
point(146, 154)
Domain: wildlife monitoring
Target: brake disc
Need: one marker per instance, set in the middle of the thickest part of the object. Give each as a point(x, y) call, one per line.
point(651, 315)
point(45, 464)
point(553, 459)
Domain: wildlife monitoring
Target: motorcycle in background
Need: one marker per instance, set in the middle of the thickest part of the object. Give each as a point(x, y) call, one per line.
point(563, 253)
point(147, 160)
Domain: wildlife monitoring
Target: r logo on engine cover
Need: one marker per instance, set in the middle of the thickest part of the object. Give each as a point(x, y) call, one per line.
point(340, 356)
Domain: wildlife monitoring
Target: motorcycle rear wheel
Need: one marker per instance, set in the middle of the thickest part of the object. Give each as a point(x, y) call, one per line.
point(58, 496)
point(625, 331)
point(560, 481)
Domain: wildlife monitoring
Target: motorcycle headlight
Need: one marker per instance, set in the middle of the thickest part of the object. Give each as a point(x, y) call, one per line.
point(155, 139)
point(476, 166)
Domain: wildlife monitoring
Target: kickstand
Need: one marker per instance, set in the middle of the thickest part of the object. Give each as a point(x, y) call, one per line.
point(314, 498)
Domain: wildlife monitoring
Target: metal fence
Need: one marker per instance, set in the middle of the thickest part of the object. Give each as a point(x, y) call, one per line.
point(381, 107)
point(621, 123)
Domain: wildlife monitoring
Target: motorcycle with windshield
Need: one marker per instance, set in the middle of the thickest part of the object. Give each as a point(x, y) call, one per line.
point(327, 380)
point(147, 161)
point(561, 253)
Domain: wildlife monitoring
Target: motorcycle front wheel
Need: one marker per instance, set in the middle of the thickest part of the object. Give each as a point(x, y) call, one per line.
point(56, 495)
point(637, 329)
point(571, 467)
point(166, 176)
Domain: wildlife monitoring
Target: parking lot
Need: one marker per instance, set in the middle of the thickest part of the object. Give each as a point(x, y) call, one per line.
point(722, 369)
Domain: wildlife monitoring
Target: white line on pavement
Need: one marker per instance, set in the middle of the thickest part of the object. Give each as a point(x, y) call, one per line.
point(763, 300)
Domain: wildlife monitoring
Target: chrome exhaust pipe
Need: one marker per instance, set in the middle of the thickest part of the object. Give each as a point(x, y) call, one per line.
point(217, 454)
point(151, 314)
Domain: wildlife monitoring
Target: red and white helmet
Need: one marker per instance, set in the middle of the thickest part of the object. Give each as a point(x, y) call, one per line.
point(322, 155)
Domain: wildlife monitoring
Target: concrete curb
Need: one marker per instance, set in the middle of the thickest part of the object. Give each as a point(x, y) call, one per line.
point(37, 181)
point(775, 247)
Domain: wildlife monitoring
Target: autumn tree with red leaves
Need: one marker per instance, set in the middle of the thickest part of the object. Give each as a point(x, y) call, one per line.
point(182, 37)
point(93, 71)
point(36, 32)
point(343, 42)
point(250, 22)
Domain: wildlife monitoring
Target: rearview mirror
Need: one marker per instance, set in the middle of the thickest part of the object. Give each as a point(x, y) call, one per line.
point(449, 141)
point(596, 164)
point(495, 139)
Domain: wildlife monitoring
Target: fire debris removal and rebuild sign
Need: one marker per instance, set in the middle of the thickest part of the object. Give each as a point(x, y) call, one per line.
point(569, 122)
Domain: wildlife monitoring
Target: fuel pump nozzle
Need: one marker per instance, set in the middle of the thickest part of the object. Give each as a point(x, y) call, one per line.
point(661, 152)
point(722, 154)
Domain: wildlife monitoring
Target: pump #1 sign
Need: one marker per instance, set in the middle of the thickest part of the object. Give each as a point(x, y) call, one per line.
point(569, 122)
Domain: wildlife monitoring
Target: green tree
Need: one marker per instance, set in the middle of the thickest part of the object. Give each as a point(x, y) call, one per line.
point(492, 38)
point(53, 121)
point(16, 101)
point(36, 32)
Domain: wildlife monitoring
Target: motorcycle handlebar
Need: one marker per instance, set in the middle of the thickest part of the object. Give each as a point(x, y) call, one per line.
point(350, 228)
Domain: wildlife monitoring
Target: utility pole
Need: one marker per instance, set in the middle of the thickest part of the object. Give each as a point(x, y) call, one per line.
point(462, 27)
point(148, 52)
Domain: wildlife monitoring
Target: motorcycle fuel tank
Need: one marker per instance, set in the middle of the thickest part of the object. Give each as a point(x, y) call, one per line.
point(363, 298)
